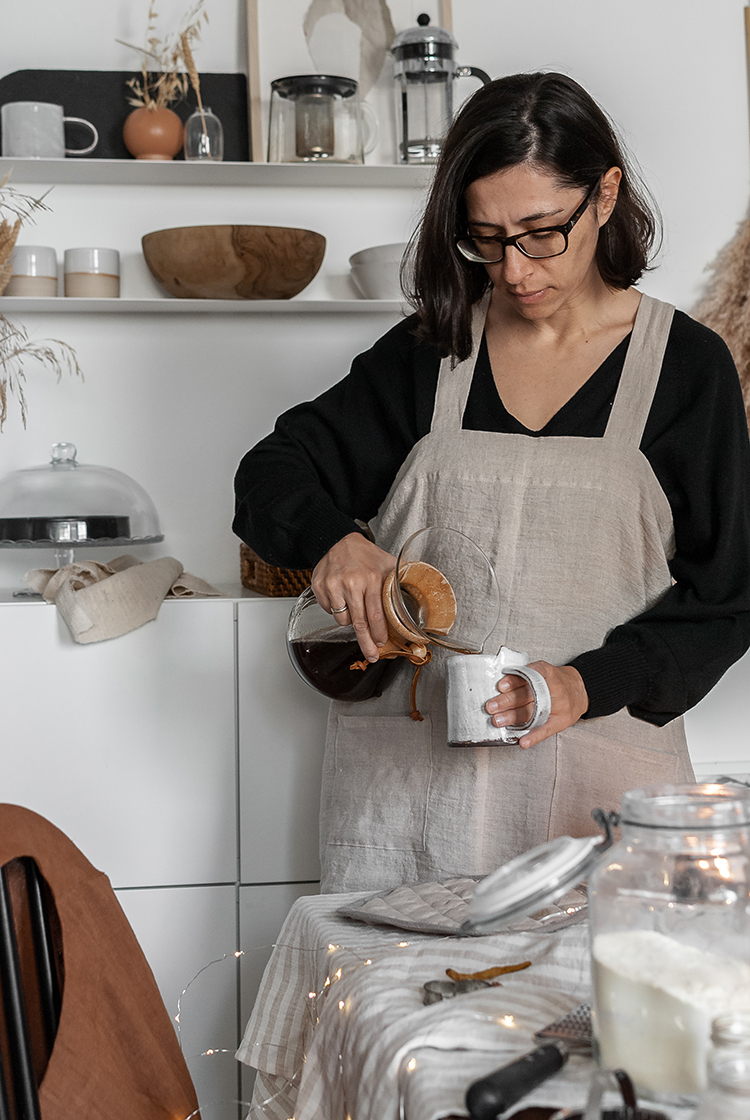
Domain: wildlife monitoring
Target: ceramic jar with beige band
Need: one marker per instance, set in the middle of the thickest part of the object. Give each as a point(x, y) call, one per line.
point(92, 273)
point(34, 271)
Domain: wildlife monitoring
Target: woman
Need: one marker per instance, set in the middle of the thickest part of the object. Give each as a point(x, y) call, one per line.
point(592, 442)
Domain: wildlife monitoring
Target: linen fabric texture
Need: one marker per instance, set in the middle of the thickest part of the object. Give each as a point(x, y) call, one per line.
point(580, 534)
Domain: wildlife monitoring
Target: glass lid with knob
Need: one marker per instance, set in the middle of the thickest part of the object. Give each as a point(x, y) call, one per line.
point(64, 503)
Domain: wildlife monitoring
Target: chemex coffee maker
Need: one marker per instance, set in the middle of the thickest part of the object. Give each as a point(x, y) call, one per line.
point(442, 593)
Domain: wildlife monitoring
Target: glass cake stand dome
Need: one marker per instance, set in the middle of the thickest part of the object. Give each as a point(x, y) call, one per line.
point(65, 504)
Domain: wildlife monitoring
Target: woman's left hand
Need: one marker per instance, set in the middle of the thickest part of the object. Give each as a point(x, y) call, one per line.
point(515, 704)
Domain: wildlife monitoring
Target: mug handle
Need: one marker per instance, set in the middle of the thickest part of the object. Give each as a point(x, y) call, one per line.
point(542, 698)
point(82, 151)
point(371, 126)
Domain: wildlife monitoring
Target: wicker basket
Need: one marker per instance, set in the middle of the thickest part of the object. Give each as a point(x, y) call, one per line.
point(264, 578)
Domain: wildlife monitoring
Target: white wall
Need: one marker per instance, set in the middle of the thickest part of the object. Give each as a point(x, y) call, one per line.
point(175, 400)
point(672, 74)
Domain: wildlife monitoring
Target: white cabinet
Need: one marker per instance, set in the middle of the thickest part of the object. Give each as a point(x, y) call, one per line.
point(128, 746)
point(164, 755)
point(282, 734)
point(189, 936)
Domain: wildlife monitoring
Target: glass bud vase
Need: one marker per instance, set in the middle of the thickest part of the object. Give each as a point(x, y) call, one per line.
point(204, 136)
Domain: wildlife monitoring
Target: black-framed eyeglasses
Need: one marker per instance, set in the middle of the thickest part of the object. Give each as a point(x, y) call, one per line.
point(551, 241)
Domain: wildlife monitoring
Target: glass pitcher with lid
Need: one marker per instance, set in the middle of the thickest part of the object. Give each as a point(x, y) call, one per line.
point(670, 926)
point(319, 118)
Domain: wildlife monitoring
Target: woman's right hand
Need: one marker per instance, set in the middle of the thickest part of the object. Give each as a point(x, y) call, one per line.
point(351, 574)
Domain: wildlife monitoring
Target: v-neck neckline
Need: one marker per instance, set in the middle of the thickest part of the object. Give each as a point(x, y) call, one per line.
point(602, 382)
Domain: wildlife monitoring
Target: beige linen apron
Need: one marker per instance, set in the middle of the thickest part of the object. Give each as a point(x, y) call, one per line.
point(580, 533)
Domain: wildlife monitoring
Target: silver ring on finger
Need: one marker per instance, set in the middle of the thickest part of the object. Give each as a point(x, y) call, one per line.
point(339, 610)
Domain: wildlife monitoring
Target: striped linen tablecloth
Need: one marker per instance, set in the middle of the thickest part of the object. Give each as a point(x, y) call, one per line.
point(339, 1030)
point(340, 1007)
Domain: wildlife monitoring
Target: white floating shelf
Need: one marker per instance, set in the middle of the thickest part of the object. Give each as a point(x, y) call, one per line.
point(10, 305)
point(170, 173)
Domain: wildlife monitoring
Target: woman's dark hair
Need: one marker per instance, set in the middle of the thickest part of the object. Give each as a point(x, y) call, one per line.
point(544, 119)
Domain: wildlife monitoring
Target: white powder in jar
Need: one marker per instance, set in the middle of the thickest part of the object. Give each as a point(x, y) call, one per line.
point(655, 999)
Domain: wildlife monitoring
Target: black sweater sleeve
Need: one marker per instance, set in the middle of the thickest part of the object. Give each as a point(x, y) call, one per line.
point(696, 439)
point(332, 461)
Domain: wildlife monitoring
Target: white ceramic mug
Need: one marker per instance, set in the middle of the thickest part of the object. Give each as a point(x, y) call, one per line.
point(34, 271)
point(36, 130)
point(472, 681)
point(92, 273)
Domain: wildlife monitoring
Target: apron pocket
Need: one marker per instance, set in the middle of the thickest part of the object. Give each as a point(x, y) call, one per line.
point(381, 783)
point(594, 770)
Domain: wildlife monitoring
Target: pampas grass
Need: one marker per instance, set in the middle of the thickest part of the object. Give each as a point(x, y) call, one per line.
point(15, 208)
point(725, 305)
point(15, 345)
point(15, 348)
point(192, 70)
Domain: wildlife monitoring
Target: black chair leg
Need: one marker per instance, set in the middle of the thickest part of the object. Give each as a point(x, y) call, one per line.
point(22, 1071)
point(44, 953)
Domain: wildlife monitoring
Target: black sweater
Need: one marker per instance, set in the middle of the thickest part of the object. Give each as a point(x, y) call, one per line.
point(332, 460)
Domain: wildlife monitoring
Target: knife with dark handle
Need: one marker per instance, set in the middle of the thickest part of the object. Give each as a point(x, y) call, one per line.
point(494, 1094)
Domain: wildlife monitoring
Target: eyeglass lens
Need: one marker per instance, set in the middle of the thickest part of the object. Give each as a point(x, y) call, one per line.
point(542, 244)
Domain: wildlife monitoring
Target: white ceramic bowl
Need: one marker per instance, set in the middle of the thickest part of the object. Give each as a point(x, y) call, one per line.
point(375, 271)
point(379, 253)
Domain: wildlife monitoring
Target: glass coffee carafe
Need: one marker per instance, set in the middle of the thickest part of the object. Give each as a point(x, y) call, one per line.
point(442, 592)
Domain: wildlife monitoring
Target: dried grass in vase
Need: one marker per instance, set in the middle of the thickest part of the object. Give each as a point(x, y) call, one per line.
point(163, 72)
point(725, 305)
point(15, 345)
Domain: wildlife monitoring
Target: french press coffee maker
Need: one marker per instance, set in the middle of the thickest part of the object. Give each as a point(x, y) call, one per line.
point(424, 71)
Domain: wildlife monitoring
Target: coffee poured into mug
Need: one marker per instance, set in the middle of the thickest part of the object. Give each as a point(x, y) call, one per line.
point(442, 593)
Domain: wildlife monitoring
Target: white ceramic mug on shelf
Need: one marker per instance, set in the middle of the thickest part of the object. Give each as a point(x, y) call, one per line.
point(472, 681)
point(34, 271)
point(36, 130)
point(92, 273)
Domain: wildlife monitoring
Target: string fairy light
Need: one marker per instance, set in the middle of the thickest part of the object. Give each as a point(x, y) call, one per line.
point(313, 1006)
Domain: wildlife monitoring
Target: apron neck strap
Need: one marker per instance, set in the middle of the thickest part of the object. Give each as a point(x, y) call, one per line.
point(454, 381)
point(635, 392)
point(640, 373)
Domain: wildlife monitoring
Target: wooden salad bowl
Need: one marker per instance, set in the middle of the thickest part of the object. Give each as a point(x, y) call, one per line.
point(233, 262)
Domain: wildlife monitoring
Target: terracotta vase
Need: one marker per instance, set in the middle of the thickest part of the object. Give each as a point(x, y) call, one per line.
point(153, 133)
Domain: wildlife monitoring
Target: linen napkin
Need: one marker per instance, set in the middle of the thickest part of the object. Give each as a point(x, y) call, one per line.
point(103, 601)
